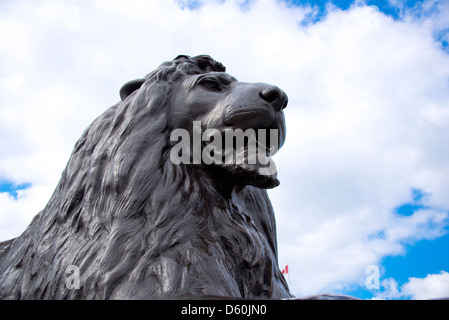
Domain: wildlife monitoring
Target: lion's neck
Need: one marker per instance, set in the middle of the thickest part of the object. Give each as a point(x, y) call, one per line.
point(211, 202)
point(207, 218)
point(215, 182)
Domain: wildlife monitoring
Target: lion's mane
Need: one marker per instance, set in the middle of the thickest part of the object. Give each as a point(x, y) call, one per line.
point(137, 226)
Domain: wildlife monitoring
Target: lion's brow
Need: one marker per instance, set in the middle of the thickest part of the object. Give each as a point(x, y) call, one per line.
point(224, 78)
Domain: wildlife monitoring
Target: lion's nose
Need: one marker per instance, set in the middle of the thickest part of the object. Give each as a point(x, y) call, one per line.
point(275, 96)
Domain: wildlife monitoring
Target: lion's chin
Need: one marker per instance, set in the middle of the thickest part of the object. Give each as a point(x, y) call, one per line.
point(250, 175)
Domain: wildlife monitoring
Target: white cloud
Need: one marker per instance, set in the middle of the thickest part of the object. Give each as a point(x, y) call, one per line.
point(390, 290)
point(367, 117)
point(359, 144)
point(16, 214)
point(433, 286)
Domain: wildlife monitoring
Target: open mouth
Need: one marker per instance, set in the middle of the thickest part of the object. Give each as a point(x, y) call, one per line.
point(250, 151)
point(258, 146)
point(245, 154)
point(251, 162)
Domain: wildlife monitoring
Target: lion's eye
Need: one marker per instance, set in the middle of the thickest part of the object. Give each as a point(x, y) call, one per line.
point(211, 84)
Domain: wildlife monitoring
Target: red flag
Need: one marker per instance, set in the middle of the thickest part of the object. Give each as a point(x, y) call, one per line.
point(285, 270)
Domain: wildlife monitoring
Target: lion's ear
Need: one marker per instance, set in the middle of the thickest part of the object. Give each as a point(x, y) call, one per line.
point(130, 87)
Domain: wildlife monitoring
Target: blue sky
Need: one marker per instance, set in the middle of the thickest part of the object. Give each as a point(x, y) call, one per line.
point(365, 169)
point(382, 5)
point(391, 8)
point(396, 9)
point(12, 189)
point(419, 259)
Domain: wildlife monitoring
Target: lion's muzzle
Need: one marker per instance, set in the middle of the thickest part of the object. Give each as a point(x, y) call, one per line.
point(260, 106)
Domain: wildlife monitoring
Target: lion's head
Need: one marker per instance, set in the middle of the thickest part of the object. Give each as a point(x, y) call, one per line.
point(137, 225)
point(201, 91)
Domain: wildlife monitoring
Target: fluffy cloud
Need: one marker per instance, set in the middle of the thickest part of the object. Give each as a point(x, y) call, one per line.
point(363, 136)
point(367, 119)
point(433, 286)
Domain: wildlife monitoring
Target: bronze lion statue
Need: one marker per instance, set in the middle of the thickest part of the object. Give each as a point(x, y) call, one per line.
point(126, 222)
